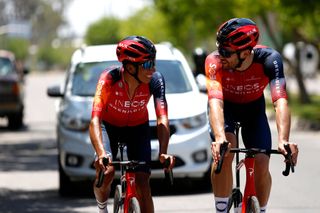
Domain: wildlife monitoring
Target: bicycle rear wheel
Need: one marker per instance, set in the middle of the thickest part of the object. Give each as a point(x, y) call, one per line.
point(235, 199)
point(253, 205)
point(134, 206)
point(117, 203)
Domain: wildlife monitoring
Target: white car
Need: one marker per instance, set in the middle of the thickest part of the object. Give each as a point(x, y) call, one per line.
point(187, 107)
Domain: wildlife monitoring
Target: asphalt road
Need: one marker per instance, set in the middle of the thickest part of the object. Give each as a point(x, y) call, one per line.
point(29, 177)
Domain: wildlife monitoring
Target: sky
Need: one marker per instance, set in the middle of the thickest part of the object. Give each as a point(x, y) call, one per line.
point(81, 13)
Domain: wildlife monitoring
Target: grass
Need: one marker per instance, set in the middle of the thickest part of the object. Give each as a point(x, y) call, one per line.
point(310, 112)
point(306, 111)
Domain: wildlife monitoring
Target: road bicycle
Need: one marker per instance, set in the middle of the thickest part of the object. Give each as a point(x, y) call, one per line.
point(248, 202)
point(125, 195)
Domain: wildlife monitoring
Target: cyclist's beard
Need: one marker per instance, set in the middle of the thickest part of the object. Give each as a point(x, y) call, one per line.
point(240, 60)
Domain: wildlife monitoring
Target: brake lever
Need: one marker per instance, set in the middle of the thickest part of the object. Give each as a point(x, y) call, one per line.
point(168, 174)
point(223, 150)
point(101, 173)
point(289, 163)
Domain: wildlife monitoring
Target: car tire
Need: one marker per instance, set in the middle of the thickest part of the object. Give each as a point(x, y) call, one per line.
point(15, 121)
point(65, 184)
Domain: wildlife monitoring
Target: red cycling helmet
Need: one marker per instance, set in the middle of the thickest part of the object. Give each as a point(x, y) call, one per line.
point(136, 49)
point(238, 33)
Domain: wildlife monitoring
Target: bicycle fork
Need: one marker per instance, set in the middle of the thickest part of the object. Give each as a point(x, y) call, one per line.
point(130, 192)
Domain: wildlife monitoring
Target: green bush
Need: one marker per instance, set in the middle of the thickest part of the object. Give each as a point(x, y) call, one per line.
point(19, 47)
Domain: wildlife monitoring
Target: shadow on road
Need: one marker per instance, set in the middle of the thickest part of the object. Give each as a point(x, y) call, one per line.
point(40, 201)
point(12, 201)
point(33, 155)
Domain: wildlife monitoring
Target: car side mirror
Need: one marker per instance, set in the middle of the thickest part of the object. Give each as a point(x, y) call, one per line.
point(54, 91)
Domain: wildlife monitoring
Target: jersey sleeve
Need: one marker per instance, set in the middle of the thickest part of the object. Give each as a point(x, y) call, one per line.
point(101, 94)
point(158, 90)
point(213, 76)
point(274, 70)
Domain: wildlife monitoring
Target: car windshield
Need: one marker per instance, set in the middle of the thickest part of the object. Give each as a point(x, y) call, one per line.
point(86, 76)
point(5, 66)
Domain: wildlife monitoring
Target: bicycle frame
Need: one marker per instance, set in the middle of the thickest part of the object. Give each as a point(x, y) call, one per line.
point(249, 189)
point(127, 182)
point(129, 189)
point(125, 193)
point(249, 163)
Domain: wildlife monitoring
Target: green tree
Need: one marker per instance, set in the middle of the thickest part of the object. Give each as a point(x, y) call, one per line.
point(19, 47)
point(194, 22)
point(104, 31)
point(147, 22)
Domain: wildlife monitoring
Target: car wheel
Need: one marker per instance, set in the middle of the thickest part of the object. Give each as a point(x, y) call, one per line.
point(15, 121)
point(65, 184)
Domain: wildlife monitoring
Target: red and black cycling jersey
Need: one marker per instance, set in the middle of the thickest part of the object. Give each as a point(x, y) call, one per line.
point(248, 85)
point(113, 105)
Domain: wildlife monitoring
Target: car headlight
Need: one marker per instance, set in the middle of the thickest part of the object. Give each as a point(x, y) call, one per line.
point(195, 121)
point(74, 123)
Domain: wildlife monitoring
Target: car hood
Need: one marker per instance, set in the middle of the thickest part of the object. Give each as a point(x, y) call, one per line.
point(9, 78)
point(182, 105)
point(77, 107)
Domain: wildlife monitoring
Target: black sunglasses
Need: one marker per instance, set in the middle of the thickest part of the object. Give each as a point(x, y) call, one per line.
point(148, 64)
point(225, 53)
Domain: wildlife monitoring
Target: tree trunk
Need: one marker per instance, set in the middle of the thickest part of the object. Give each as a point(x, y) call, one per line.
point(303, 94)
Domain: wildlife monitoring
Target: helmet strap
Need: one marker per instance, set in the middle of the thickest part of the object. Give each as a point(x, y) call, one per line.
point(135, 75)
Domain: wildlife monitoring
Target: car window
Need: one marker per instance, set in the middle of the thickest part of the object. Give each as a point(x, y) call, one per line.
point(86, 76)
point(174, 75)
point(6, 67)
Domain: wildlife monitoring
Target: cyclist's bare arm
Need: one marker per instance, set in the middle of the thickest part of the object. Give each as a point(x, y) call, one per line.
point(163, 131)
point(216, 118)
point(283, 120)
point(96, 139)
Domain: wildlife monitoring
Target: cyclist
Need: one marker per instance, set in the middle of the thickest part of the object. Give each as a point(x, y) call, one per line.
point(120, 113)
point(237, 74)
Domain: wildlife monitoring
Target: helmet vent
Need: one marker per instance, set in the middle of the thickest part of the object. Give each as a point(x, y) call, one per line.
point(131, 54)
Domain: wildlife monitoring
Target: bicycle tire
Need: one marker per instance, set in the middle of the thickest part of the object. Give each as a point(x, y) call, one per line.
point(134, 206)
point(235, 199)
point(253, 205)
point(117, 199)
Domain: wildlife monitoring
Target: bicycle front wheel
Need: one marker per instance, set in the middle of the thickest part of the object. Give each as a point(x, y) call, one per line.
point(253, 205)
point(117, 199)
point(134, 206)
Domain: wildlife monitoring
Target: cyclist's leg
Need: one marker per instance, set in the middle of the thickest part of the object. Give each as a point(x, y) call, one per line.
point(103, 192)
point(139, 148)
point(256, 133)
point(222, 183)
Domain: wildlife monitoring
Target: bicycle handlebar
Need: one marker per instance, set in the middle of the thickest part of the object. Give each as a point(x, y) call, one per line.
point(133, 163)
point(253, 151)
